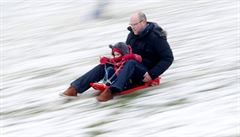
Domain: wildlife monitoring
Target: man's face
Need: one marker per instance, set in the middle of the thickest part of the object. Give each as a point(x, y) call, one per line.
point(136, 24)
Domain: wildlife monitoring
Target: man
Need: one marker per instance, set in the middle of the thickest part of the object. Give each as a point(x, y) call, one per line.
point(148, 40)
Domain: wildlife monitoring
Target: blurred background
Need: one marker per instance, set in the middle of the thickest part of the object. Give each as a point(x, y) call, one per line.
point(45, 45)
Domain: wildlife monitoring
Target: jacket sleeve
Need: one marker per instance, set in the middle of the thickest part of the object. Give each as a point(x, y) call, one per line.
point(133, 56)
point(165, 56)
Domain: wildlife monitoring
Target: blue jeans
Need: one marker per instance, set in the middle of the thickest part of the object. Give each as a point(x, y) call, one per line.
point(131, 70)
point(110, 75)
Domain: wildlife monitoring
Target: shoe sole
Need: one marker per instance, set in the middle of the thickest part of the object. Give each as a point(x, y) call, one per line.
point(63, 95)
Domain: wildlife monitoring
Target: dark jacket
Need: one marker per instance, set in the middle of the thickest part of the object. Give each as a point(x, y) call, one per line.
point(152, 45)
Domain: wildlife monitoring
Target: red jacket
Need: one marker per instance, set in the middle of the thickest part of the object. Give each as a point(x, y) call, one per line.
point(118, 62)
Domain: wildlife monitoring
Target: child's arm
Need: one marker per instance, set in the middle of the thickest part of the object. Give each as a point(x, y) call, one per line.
point(104, 60)
point(133, 56)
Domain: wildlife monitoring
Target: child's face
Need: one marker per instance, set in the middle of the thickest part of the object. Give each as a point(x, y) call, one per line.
point(116, 54)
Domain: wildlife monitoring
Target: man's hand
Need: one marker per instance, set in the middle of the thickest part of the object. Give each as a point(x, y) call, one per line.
point(147, 77)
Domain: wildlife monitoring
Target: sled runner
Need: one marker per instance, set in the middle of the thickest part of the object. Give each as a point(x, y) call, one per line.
point(102, 86)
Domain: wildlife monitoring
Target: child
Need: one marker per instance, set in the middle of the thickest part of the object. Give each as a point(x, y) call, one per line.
point(120, 54)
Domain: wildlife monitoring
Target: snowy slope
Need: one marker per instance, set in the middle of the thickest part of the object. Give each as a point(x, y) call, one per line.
point(47, 44)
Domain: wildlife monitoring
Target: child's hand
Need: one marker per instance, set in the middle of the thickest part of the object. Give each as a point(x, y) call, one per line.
point(138, 57)
point(103, 60)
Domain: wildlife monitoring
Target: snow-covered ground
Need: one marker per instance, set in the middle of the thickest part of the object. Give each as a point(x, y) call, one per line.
point(47, 44)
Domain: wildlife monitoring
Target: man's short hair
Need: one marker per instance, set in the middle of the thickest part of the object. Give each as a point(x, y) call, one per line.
point(142, 16)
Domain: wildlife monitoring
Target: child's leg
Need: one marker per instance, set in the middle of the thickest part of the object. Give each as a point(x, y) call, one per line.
point(110, 75)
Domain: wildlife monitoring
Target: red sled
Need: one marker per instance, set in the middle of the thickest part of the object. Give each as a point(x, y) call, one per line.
point(102, 86)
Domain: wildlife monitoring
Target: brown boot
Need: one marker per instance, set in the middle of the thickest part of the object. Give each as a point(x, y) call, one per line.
point(71, 91)
point(105, 96)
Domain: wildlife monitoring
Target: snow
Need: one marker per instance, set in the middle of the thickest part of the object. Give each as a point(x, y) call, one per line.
point(45, 45)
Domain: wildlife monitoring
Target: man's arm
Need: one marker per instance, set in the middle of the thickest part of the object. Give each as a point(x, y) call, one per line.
point(165, 54)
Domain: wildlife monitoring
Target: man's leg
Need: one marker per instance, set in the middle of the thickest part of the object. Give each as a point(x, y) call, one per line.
point(130, 68)
point(83, 83)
